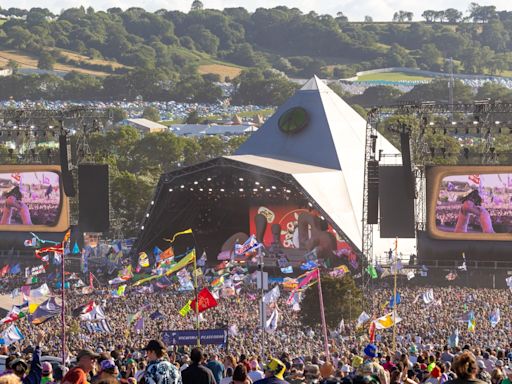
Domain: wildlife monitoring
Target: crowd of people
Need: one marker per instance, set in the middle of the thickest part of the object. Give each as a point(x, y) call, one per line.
point(424, 348)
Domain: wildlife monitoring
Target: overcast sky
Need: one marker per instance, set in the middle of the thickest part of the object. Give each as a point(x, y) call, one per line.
point(380, 10)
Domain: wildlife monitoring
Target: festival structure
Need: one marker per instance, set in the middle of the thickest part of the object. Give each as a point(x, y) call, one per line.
point(297, 184)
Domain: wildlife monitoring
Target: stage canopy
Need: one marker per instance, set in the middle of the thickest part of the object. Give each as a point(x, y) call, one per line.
point(309, 154)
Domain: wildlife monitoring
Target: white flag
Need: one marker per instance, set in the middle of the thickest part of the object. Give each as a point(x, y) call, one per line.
point(509, 282)
point(363, 318)
point(386, 321)
point(272, 295)
point(410, 275)
point(428, 296)
point(271, 324)
point(42, 291)
point(95, 314)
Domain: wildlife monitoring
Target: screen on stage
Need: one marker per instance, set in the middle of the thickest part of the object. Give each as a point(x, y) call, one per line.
point(32, 199)
point(473, 203)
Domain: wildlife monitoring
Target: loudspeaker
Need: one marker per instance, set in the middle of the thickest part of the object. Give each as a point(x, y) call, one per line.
point(405, 147)
point(67, 176)
point(396, 209)
point(373, 192)
point(93, 197)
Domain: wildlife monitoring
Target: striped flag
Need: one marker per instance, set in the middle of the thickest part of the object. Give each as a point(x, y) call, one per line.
point(475, 179)
point(271, 323)
point(101, 326)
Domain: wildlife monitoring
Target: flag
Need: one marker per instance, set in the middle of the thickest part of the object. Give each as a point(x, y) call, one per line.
point(495, 317)
point(288, 269)
point(218, 282)
point(179, 234)
point(121, 289)
point(14, 314)
point(126, 273)
point(46, 311)
point(186, 309)
point(143, 260)
point(101, 326)
point(42, 291)
point(363, 318)
point(471, 321)
point(410, 275)
point(371, 332)
point(83, 309)
point(463, 267)
point(474, 179)
point(393, 300)
point(91, 277)
point(16, 269)
point(204, 301)
point(428, 296)
point(25, 291)
point(251, 244)
point(386, 321)
point(202, 260)
point(451, 276)
point(308, 265)
point(372, 271)
point(272, 295)
point(167, 254)
point(271, 323)
point(156, 315)
point(305, 281)
point(189, 258)
point(11, 335)
point(453, 340)
point(508, 280)
point(5, 270)
point(76, 249)
point(94, 315)
point(139, 325)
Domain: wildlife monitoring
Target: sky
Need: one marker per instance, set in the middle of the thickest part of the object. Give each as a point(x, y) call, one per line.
point(356, 10)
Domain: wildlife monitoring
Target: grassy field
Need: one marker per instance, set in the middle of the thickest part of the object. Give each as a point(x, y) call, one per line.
point(220, 69)
point(26, 60)
point(78, 57)
point(392, 76)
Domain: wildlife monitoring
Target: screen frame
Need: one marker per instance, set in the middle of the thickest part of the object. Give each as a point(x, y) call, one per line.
point(434, 176)
point(63, 221)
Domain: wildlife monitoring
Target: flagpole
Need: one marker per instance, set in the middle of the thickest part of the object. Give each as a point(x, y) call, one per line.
point(197, 301)
point(63, 306)
point(394, 295)
point(322, 314)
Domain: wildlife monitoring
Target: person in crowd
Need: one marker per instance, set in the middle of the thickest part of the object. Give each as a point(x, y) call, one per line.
point(255, 373)
point(159, 370)
point(47, 373)
point(216, 367)
point(240, 375)
point(196, 373)
point(466, 369)
point(274, 373)
point(86, 362)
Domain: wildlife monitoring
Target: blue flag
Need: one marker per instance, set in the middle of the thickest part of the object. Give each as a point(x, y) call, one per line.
point(76, 249)
point(15, 269)
point(156, 315)
point(288, 269)
point(308, 265)
point(392, 300)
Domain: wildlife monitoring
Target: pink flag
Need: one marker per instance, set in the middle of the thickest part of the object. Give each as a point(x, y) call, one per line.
point(305, 281)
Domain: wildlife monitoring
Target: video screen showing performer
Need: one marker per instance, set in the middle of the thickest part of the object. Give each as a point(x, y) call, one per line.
point(30, 198)
point(475, 204)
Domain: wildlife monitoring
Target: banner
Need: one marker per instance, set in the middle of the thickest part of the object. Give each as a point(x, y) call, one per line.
point(208, 336)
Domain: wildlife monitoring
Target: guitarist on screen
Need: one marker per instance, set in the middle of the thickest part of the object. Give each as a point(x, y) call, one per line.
point(471, 204)
point(13, 201)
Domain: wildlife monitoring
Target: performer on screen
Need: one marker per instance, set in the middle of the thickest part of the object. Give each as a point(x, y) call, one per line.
point(13, 202)
point(471, 204)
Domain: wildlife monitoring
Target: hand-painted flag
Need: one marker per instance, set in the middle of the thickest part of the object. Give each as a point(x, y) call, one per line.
point(14, 314)
point(428, 296)
point(371, 332)
point(250, 245)
point(5, 270)
point(139, 325)
point(179, 234)
point(42, 291)
point(308, 265)
point(451, 276)
point(218, 282)
point(204, 301)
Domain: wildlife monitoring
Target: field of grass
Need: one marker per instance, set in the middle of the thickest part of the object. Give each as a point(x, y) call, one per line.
point(26, 60)
point(220, 69)
point(392, 76)
point(78, 57)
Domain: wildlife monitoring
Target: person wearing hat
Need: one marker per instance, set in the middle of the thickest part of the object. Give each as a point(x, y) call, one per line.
point(482, 373)
point(159, 370)
point(47, 371)
point(312, 373)
point(86, 360)
point(274, 373)
point(19, 366)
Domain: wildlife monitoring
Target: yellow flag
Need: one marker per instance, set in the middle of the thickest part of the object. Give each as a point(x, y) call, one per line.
point(189, 258)
point(32, 307)
point(186, 309)
point(143, 260)
point(178, 234)
point(386, 321)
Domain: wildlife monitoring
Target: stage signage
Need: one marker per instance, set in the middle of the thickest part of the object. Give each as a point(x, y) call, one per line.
point(189, 337)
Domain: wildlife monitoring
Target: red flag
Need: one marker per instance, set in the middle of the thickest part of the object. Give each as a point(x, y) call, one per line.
point(372, 332)
point(474, 178)
point(91, 276)
point(168, 253)
point(205, 300)
point(4, 271)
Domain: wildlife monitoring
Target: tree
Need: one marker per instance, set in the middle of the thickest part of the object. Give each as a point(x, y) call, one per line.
point(193, 117)
point(453, 15)
point(46, 61)
point(342, 300)
point(197, 5)
point(368, 19)
point(13, 66)
point(428, 15)
point(118, 114)
point(151, 113)
point(430, 56)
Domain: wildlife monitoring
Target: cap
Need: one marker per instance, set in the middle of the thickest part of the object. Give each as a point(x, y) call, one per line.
point(499, 363)
point(436, 372)
point(154, 345)
point(277, 368)
point(357, 361)
point(481, 364)
point(370, 350)
point(46, 367)
point(107, 364)
point(86, 352)
point(346, 368)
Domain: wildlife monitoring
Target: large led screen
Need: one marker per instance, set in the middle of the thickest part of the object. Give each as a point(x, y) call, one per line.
point(31, 199)
point(473, 203)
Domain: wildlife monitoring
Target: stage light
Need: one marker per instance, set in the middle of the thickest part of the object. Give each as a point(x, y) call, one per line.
point(257, 182)
point(288, 191)
point(431, 123)
point(195, 182)
point(200, 189)
point(497, 122)
point(255, 189)
point(267, 189)
point(454, 123)
point(142, 227)
point(209, 189)
point(222, 189)
point(475, 122)
point(191, 189)
point(147, 214)
point(240, 179)
point(321, 217)
point(182, 186)
point(170, 189)
point(209, 179)
point(152, 202)
point(311, 205)
point(240, 189)
point(273, 187)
